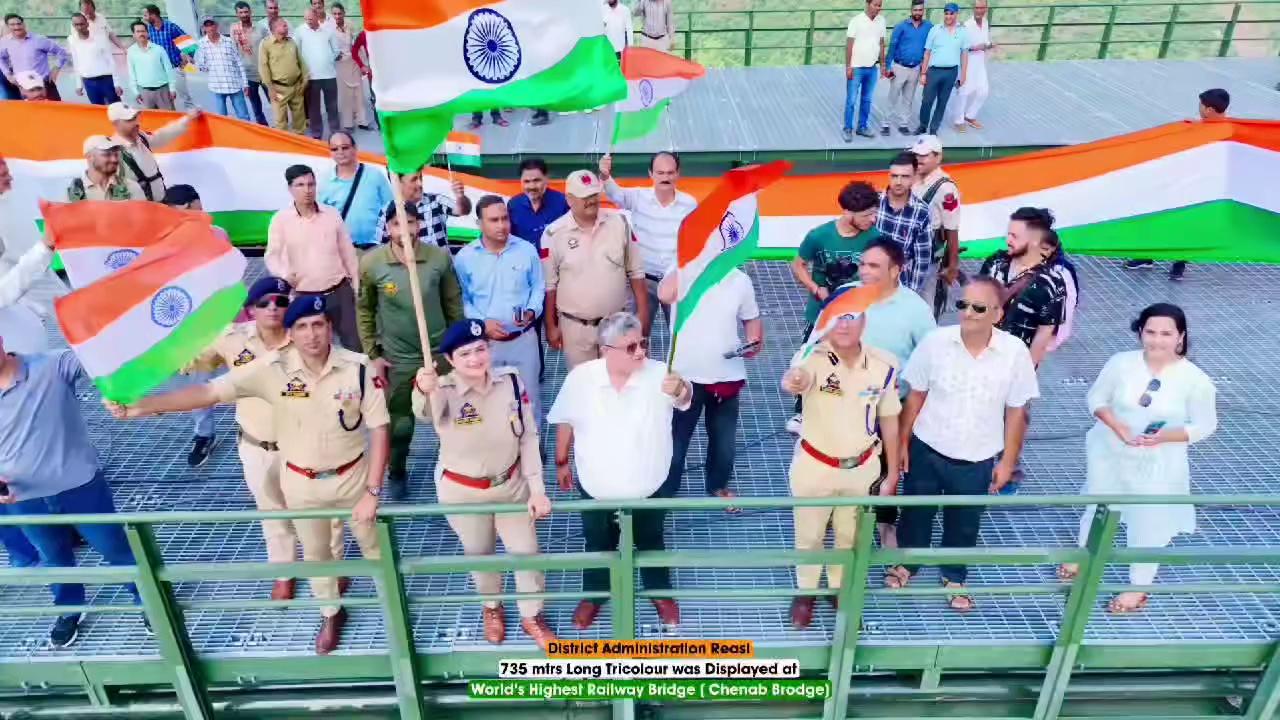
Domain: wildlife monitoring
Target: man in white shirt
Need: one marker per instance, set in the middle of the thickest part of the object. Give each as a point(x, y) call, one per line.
point(864, 49)
point(656, 214)
point(970, 385)
point(320, 52)
point(615, 412)
point(27, 288)
point(710, 356)
point(94, 64)
point(977, 32)
point(617, 25)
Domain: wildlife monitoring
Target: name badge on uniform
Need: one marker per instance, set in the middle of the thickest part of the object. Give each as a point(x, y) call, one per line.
point(348, 400)
point(295, 388)
point(831, 386)
point(467, 415)
point(245, 357)
point(573, 243)
point(872, 393)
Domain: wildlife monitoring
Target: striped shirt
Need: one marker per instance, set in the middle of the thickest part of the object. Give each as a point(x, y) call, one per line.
point(221, 60)
point(910, 229)
point(657, 226)
point(657, 19)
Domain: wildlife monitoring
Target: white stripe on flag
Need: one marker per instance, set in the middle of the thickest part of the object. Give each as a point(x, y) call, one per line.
point(742, 216)
point(461, 148)
point(537, 35)
point(645, 93)
point(135, 331)
point(86, 266)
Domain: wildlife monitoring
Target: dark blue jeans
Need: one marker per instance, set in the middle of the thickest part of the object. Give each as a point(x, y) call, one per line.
point(55, 543)
point(937, 91)
point(722, 435)
point(101, 90)
point(21, 552)
point(864, 82)
point(932, 473)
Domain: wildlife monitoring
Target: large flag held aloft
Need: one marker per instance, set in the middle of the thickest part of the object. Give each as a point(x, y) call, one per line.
point(136, 327)
point(481, 55)
point(653, 78)
point(88, 234)
point(721, 233)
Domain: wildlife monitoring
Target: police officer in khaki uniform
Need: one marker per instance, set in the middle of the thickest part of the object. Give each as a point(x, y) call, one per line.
point(323, 399)
point(851, 406)
point(935, 188)
point(590, 267)
point(488, 454)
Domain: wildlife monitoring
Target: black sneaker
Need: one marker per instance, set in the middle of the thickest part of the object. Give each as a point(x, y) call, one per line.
point(65, 630)
point(1178, 270)
point(1138, 264)
point(904, 129)
point(884, 131)
point(201, 450)
point(922, 130)
point(398, 487)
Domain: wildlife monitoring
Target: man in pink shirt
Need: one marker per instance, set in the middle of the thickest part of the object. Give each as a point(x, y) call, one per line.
point(308, 245)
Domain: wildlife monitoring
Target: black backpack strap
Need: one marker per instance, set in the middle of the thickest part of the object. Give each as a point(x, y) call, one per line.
point(351, 196)
point(929, 194)
point(515, 392)
point(143, 180)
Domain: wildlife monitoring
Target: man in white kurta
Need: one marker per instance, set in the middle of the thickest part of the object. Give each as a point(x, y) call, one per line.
point(973, 95)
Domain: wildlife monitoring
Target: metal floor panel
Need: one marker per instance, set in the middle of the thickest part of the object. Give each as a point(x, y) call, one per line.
point(146, 464)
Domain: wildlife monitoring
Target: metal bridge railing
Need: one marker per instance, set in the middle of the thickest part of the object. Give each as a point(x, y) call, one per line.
point(402, 664)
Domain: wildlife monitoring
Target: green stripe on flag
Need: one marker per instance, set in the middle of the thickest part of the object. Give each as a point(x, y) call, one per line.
point(633, 125)
point(162, 360)
point(716, 270)
point(464, 160)
point(586, 78)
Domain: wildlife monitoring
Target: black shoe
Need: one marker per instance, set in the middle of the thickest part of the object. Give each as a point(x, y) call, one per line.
point(1178, 270)
point(884, 131)
point(1138, 264)
point(921, 131)
point(540, 119)
point(65, 630)
point(365, 127)
point(201, 450)
point(904, 129)
point(398, 487)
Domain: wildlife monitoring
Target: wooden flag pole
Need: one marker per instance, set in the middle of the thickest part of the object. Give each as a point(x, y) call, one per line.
point(411, 263)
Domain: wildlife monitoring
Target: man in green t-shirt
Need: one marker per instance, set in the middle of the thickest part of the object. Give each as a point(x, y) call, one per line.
point(829, 255)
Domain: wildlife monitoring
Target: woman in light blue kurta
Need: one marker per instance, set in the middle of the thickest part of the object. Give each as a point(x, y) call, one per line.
point(1150, 405)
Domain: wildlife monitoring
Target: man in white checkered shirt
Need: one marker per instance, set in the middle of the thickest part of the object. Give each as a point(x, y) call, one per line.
point(433, 210)
point(904, 219)
point(220, 59)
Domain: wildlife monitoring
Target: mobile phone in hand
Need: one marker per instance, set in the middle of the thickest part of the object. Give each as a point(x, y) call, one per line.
point(741, 350)
point(1154, 428)
point(4, 489)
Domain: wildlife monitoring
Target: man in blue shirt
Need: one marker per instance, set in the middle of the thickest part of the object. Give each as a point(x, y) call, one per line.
point(501, 279)
point(358, 192)
point(905, 54)
point(946, 63)
point(538, 206)
point(49, 467)
point(162, 34)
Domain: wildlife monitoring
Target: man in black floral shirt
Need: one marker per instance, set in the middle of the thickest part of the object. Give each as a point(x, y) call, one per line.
point(1034, 293)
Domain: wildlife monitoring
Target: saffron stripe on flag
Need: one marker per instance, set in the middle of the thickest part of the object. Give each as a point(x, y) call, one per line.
point(381, 15)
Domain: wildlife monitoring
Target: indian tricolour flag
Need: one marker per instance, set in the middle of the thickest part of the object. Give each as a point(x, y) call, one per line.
point(653, 78)
point(88, 237)
point(720, 234)
point(136, 327)
point(186, 44)
point(482, 54)
point(462, 149)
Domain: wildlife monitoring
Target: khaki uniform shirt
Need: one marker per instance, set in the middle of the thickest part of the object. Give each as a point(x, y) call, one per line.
point(238, 347)
point(113, 190)
point(843, 402)
point(944, 208)
point(146, 161)
point(591, 271)
point(280, 63)
point(483, 430)
point(305, 407)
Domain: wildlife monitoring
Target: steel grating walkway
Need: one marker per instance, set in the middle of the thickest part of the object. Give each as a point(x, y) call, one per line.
point(146, 463)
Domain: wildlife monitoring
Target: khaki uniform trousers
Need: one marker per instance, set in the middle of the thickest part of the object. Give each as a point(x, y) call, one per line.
point(262, 475)
point(291, 112)
point(810, 478)
point(318, 536)
point(581, 341)
point(477, 535)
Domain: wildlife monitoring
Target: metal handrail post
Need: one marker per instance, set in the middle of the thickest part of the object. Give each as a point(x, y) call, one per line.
point(751, 26)
point(1168, 30)
point(395, 606)
point(852, 599)
point(1229, 33)
point(622, 580)
point(1046, 34)
point(1105, 46)
point(1265, 702)
point(808, 38)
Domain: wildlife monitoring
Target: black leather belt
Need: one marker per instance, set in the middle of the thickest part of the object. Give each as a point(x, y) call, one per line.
point(581, 321)
point(268, 446)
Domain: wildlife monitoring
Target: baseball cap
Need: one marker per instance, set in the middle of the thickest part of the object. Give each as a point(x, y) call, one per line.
point(926, 145)
point(120, 111)
point(208, 20)
point(28, 80)
point(96, 143)
point(951, 8)
point(582, 184)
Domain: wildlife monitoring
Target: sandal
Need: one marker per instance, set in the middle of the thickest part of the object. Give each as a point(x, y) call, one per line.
point(897, 577)
point(727, 494)
point(1068, 573)
point(1115, 608)
point(958, 601)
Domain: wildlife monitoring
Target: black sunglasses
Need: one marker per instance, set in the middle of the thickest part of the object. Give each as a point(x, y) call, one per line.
point(1153, 386)
point(632, 348)
point(978, 308)
point(279, 301)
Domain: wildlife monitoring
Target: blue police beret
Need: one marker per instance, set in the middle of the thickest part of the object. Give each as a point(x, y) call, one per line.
point(304, 306)
point(951, 7)
point(463, 332)
point(265, 286)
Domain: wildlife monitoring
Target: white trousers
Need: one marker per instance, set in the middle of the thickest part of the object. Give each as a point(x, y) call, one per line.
point(974, 92)
point(1137, 535)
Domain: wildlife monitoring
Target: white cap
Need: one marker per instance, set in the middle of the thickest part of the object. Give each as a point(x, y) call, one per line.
point(926, 145)
point(28, 80)
point(120, 111)
point(95, 143)
point(582, 184)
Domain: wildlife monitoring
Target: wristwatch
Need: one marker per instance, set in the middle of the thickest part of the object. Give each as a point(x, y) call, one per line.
point(374, 491)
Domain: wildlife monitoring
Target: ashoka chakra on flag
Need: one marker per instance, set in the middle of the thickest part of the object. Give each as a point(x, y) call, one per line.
point(169, 306)
point(731, 231)
point(490, 47)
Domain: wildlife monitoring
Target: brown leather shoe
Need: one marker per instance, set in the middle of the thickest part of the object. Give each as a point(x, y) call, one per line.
point(495, 627)
point(330, 633)
point(282, 590)
point(802, 612)
point(536, 627)
point(668, 612)
point(585, 614)
point(343, 584)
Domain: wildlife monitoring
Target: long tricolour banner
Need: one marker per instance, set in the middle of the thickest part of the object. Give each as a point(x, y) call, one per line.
point(1166, 193)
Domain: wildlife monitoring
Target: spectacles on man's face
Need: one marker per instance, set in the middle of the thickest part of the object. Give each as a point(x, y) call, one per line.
point(279, 301)
point(632, 348)
point(977, 308)
point(1153, 386)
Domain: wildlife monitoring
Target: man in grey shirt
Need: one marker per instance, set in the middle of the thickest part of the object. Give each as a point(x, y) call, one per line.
point(49, 467)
